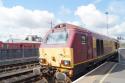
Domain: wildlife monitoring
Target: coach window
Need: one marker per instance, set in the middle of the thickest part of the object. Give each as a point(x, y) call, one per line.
point(34, 46)
point(5, 46)
point(83, 39)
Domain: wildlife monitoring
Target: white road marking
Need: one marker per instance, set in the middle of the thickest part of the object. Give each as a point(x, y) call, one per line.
point(101, 81)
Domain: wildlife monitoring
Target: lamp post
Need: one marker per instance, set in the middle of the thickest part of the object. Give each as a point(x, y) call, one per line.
point(107, 19)
point(50, 23)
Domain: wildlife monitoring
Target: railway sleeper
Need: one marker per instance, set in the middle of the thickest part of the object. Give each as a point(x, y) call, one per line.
point(7, 69)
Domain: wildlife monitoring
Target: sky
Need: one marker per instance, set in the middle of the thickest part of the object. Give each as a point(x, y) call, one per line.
point(19, 18)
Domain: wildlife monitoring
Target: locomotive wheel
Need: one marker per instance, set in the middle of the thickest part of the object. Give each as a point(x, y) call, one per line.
point(63, 81)
point(61, 78)
point(43, 80)
point(68, 80)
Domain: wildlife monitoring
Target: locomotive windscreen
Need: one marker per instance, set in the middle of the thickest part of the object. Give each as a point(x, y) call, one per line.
point(59, 37)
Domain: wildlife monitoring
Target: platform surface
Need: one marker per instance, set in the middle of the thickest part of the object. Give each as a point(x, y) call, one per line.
point(109, 72)
point(121, 52)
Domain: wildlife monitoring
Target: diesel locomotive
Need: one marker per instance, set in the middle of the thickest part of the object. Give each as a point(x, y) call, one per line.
point(70, 49)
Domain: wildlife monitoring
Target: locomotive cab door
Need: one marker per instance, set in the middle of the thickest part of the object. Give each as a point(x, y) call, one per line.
point(80, 47)
point(84, 45)
point(87, 44)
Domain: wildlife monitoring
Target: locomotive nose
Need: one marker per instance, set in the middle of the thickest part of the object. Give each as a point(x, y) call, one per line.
point(58, 57)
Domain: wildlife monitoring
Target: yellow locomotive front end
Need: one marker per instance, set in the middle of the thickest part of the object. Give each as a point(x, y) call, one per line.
point(61, 58)
point(55, 52)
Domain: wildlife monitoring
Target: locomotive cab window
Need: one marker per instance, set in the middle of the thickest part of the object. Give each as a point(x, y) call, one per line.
point(83, 39)
point(59, 37)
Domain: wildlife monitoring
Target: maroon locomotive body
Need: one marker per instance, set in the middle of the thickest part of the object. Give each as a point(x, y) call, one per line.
point(71, 49)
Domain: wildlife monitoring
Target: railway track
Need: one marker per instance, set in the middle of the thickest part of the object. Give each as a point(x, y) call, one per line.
point(19, 76)
point(18, 72)
point(14, 67)
point(29, 73)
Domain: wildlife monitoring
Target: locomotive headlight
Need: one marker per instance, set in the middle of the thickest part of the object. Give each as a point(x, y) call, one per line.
point(65, 62)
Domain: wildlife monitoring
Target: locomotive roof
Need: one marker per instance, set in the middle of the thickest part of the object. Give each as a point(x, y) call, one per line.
point(71, 26)
point(66, 25)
